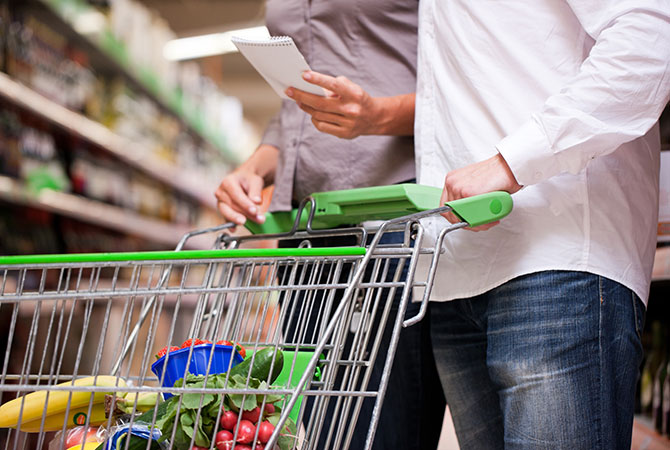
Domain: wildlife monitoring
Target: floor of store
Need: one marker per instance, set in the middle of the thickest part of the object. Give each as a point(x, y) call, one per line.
point(644, 436)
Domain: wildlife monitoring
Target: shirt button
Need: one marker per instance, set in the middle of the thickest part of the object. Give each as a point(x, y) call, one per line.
point(538, 176)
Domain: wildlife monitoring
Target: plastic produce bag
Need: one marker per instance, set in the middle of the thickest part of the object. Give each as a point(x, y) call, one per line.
point(138, 434)
point(75, 436)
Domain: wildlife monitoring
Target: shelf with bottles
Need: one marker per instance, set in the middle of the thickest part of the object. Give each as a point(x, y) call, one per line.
point(186, 177)
point(53, 77)
point(160, 233)
point(43, 168)
point(32, 230)
point(653, 407)
point(186, 97)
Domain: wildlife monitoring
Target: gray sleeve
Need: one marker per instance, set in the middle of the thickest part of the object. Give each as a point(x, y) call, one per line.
point(273, 131)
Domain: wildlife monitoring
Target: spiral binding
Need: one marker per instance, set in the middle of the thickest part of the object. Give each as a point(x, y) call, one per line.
point(273, 41)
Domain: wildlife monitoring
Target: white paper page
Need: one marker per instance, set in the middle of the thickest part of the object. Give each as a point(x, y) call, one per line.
point(279, 61)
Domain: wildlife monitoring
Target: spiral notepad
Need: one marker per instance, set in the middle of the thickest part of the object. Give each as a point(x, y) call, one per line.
point(279, 61)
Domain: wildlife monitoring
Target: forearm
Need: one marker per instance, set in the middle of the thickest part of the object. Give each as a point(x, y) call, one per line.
point(616, 97)
point(393, 116)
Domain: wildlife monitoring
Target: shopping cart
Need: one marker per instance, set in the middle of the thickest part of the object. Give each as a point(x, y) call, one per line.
point(80, 331)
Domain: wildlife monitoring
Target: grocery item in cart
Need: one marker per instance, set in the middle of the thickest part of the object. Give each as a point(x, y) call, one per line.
point(50, 411)
point(197, 360)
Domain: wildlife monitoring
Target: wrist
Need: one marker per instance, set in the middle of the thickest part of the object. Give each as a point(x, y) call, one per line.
point(381, 116)
point(394, 116)
point(512, 185)
point(262, 163)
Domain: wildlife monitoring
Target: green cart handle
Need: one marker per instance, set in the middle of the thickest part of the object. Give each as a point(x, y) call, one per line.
point(354, 206)
point(482, 209)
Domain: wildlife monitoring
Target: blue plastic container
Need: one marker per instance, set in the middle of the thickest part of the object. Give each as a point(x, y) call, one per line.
point(176, 365)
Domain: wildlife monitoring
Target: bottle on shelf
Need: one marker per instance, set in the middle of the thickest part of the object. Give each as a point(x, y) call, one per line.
point(665, 416)
point(10, 132)
point(657, 396)
point(654, 360)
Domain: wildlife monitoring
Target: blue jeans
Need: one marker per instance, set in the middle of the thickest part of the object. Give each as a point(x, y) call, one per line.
point(545, 361)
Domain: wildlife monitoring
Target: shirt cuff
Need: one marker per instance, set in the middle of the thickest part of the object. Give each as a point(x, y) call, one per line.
point(529, 155)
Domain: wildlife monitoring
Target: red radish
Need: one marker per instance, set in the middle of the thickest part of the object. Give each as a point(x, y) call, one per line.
point(269, 409)
point(228, 420)
point(252, 415)
point(246, 432)
point(224, 440)
point(265, 430)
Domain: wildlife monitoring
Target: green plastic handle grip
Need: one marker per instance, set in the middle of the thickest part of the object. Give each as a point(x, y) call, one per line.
point(354, 206)
point(482, 209)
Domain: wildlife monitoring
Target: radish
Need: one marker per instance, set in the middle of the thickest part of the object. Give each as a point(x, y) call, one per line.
point(228, 420)
point(252, 415)
point(265, 430)
point(246, 432)
point(224, 440)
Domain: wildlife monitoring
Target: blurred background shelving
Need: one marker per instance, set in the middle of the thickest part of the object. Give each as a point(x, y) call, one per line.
point(99, 128)
point(107, 145)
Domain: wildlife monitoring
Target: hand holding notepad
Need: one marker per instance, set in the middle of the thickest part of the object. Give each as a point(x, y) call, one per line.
point(279, 61)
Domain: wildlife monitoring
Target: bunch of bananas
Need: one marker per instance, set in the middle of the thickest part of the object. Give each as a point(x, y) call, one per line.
point(50, 410)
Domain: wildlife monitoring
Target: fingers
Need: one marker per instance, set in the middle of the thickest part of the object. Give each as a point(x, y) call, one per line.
point(447, 196)
point(239, 198)
point(254, 187)
point(335, 85)
point(330, 128)
point(334, 119)
point(328, 104)
point(228, 213)
point(456, 189)
point(345, 94)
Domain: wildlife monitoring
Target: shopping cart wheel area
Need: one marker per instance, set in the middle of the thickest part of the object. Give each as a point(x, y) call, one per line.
point(237, 347)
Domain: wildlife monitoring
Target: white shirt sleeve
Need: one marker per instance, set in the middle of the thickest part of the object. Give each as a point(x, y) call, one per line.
point(617, 96)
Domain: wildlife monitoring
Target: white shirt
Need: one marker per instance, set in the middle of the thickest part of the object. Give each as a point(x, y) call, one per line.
point(569, 92)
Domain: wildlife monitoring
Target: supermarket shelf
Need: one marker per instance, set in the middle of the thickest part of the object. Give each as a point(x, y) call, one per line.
point(100, 136)
point(109, 55)
point(661, 269)
point(100, 214)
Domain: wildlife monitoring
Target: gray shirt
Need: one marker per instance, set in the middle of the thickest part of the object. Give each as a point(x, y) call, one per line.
point(371, 42)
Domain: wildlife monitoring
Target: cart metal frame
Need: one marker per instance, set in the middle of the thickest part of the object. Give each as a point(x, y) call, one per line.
point(339, 298)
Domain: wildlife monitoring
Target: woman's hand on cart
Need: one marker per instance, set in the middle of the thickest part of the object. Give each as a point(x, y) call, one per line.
point(239, 195)
point(490, 175)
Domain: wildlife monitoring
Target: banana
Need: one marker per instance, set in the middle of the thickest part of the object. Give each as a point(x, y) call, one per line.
point(75, 417)
point(145, 401)
point(36, 403)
